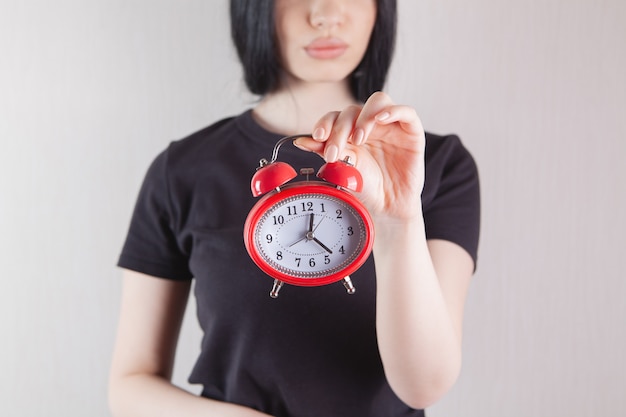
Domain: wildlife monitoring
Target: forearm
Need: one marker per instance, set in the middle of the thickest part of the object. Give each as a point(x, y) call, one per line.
point(152, 396)
point(418, 340)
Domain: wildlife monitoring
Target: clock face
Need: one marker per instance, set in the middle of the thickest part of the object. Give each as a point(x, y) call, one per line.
point(309, 235)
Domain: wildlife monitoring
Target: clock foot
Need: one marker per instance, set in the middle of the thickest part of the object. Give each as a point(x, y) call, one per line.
point(276, 288)
point(347, 282)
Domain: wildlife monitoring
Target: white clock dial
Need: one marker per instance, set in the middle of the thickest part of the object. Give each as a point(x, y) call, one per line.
point(310, 235)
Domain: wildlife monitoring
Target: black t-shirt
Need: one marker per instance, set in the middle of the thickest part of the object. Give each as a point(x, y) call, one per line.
point(313, 351)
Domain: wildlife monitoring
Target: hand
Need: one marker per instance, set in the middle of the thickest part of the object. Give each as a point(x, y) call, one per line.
point(386, 143)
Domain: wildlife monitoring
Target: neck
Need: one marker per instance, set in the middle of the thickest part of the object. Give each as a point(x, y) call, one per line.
point(297, 106)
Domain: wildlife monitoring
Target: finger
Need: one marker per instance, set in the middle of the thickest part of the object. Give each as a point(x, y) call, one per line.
point(379, 109)
point(309, 145)
point(323, 127)
point(405, 115)
point(375, 104)
point(408, 120)
point(340, 133)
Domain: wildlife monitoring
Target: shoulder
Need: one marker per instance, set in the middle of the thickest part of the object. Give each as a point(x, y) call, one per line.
point(178, 163)
point(447, 161)
point(451, 195)
point(442, 150)
point(224, 142)
point(199, 141)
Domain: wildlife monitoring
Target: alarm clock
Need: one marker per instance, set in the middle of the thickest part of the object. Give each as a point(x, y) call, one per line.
point(308, 232)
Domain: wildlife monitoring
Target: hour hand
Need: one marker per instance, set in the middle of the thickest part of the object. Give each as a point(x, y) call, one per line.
point(322, 245)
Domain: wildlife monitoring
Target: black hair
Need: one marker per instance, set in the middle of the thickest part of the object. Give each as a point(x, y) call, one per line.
point(253, 33)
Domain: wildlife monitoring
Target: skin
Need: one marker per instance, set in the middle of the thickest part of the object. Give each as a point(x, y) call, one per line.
point(345, 25)
point(422, 284)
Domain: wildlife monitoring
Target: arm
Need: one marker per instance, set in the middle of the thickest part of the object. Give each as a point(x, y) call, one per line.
point(150, 318)
point(421, 284)
point(421, 292)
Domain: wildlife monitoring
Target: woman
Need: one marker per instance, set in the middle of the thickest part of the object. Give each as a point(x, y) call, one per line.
point(391, 349)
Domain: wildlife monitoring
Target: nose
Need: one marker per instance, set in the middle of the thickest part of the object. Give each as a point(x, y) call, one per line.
point(326, 14)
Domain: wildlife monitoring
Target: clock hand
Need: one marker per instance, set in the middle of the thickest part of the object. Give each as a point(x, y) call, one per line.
point(297, 241)
point(318, 225)
point(322, 245)
point(309, 232)
point(311, 236)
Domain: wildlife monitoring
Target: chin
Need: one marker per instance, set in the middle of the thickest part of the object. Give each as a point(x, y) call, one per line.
point(326, 75)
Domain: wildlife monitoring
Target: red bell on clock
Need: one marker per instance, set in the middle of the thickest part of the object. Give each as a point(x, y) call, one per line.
point(270, 176)
point(343, 174)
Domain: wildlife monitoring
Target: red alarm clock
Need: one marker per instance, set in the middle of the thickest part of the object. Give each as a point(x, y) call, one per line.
point(308, 233)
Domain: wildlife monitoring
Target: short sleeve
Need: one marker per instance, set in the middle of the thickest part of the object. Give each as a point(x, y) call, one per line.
point(453, 210)
point(151, 246)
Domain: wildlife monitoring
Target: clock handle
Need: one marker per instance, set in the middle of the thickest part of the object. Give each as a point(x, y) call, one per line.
point(286, 139)
point(273, 174)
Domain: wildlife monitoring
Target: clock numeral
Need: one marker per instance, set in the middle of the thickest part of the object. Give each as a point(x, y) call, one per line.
point(292, 210)
point(279, 219)
point(350, 231)
point(308, 206)
point(342, 250)
point(312, 262)
point(279, 255)
point(339, 212)
point(326, 259)
point(269, 238)
point(298, 260)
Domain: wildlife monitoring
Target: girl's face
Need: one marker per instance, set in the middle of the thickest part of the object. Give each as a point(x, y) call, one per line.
point(323, 40)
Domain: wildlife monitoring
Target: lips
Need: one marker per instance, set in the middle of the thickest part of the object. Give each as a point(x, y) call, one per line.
point(326, 48)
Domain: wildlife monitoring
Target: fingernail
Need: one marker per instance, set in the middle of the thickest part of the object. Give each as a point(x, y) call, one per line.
point(318, 134)
point(298, 145)
point(331, 153)
point(382, 116)
point(359, 136)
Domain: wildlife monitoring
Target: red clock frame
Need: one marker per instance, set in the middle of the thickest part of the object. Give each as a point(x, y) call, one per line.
point(298, 188)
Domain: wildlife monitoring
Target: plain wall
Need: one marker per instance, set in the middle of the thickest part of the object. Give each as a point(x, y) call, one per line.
point(92, 90)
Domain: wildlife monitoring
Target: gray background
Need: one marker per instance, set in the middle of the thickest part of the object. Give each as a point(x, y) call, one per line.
point(91, 91)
